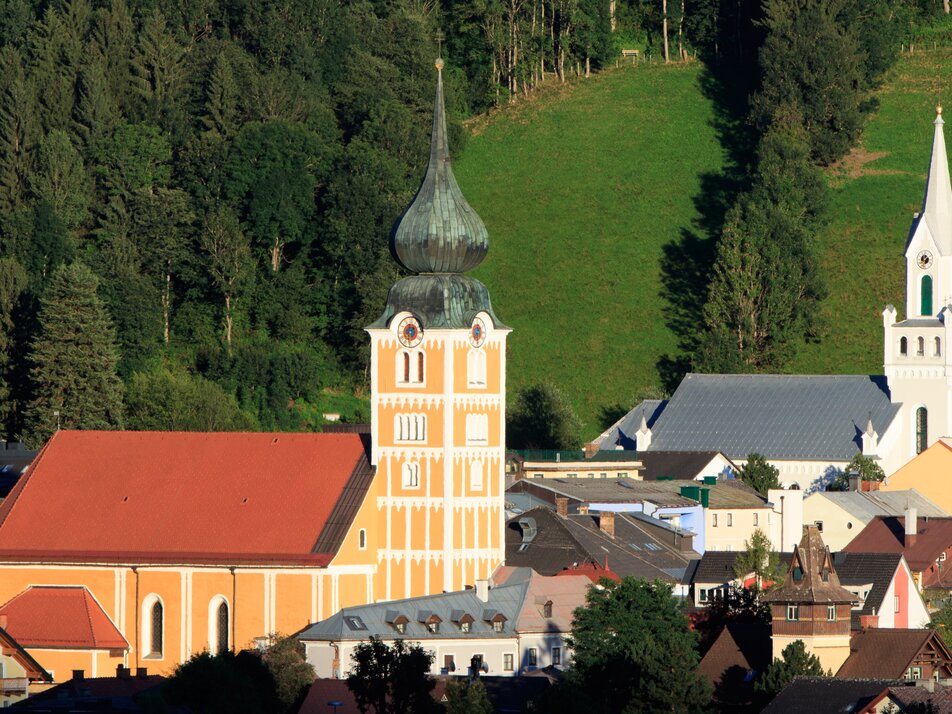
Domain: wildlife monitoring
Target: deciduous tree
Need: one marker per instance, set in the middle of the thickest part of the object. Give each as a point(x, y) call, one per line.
point(795, 662)
point(392, 679)
point(759, 474)
point(542, 418)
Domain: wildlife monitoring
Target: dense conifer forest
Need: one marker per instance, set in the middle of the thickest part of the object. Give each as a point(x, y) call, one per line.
point(213, 183)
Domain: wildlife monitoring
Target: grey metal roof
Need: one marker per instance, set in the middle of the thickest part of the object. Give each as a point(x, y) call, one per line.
point(621, 434)
point(778, 416)
point(920, 322)
point(866, 505)
point(445, 300)
point(376, 619)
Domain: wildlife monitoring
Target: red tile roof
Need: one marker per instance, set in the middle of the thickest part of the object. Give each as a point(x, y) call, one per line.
point(107, 496)
point(61, 617)
point(884, 534)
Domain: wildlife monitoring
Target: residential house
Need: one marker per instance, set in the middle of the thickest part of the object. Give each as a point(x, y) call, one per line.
point(927, 473)
point(897, 654)
point(124, 692)
point(574, 464)
point(515, 626)
point(740, 654)
point(629, 543)
point(925, 543)
point(885, 592)
point(840, 515)
point(20, 673)
point(828, 695)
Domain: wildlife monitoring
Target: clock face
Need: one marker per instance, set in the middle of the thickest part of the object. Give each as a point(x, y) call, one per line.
point(477, 334)
point(409, 332)
point(924, 259)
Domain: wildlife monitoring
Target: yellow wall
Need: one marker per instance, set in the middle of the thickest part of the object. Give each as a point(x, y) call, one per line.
point(928, 473)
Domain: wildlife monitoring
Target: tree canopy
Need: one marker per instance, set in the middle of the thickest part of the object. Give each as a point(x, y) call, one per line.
point(392, 679)
point(542, 418)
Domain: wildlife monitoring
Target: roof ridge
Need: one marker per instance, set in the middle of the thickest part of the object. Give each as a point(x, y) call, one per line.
point(89, 617)
point(6, 507)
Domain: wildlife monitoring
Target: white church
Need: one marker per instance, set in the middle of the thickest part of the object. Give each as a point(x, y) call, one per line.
point(811, 426)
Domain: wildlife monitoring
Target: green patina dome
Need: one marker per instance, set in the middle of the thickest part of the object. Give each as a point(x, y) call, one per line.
point(439, 232)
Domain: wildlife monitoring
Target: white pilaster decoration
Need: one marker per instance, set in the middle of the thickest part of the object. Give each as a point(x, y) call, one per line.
point(449, 466)
point(643, 436)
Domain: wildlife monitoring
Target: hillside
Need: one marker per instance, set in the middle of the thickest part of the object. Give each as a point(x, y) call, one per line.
point(582, 195)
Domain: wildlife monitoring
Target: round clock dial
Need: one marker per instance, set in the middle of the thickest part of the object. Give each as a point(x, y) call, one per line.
point(924, 259)
point(477, 333)
point(409, 332)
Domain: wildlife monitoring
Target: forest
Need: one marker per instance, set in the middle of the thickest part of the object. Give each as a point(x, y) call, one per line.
point(196, 197)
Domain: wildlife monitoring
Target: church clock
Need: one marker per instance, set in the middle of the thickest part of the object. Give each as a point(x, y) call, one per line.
point(924, 259)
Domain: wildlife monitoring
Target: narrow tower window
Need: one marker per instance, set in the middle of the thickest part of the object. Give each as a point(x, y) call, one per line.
point(410, 367)
point(925, 299)
point(922, 429)
point(411, 475)
point(155, 630)
point(920, 347)
point(420, 368)
point(938, 347)
point(222, 627)
point(406, 366)
point(903, 346)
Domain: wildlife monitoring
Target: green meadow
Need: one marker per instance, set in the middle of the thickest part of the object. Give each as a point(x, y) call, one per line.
point(582, 188)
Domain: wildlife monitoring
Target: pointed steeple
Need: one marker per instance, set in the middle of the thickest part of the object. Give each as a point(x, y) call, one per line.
point(440, 232)
point(937, 207)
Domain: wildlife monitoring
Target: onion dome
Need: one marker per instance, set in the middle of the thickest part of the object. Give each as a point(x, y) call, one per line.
point(439, 232)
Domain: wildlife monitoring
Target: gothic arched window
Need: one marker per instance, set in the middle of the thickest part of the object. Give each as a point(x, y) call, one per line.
point(922, 429)
point(925, 297)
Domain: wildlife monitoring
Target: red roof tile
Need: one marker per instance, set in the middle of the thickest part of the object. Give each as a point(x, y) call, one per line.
point(61, 617)
point(884, 534)
point(180, 497)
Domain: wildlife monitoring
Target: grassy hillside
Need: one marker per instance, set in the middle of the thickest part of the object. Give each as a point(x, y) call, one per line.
point(581, 195)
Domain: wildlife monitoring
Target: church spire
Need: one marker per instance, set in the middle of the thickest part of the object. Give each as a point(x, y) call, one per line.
point(937, 207)
point(440, 232)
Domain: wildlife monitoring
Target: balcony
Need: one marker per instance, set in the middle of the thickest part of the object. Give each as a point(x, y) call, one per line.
point(14, 685)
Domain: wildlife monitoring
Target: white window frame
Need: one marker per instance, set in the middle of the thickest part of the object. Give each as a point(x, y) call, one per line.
point(476, 368)
point(147, 649)
point(414, 356)
point(410, 474)
point(477, 429)
point(409, 428)
point(213, 606)
point(476, 479)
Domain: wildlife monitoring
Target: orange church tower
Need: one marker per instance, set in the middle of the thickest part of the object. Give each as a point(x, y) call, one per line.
point(438, 385)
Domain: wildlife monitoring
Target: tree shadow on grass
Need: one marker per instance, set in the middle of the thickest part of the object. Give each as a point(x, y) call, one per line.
point(687, 262)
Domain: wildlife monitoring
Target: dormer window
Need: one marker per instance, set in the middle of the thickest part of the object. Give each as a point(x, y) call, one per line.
point(400, 627)
point(433, 627)
point(497, 626)
point(547, 609)
point(465, 626)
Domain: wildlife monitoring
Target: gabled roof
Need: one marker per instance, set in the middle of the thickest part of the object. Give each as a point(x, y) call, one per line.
point(877, 569)
point(560, 543)
point(884, 653)
point(93, 694)
point(61, 618)
point(779, 416)
point(191, 497)
point(885, 534)
point(739, 654)
point(826, 695)
point(811, 576)
point(866, 505)
point(675, 464)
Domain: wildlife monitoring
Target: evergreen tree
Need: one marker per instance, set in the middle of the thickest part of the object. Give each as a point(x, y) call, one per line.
point(230, 262)
point(18, 129)
point(111, 40)
point(222, 99)
point(50, 69)
point(159, 69)
point(759, 474)
point(97, 113)
point(60, 179)
point(13, 281)
point(74, 360)
point(795, 662)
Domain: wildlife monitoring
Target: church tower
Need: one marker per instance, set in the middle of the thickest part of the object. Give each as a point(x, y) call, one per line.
point(916, 356)
point(438, 385)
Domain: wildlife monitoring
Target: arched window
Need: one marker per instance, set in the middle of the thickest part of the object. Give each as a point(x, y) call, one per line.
point(219, 625)
point(937, 350)
point(477, 428)
point(362, 539)
point(153, 627)
point(411, 475)
point(920, 347)
point(410, 367)
point(420, 367)
point(922, 429)
point(925, 297)
point(409, 427)
point(903, 346)
point(406, 366)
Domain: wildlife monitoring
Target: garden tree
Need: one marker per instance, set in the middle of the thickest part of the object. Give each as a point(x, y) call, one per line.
point(230, 262)
point(467, 696)
point(285, 659)
point(174, 401)
point(809, 59)
point(732, 606)
point(542, 418)
point(942, 619)
point(19, 128)
point(60, 179)
point(632, 651)
point(759, 474)
point(392, 679)
point(864, 466)
point(794, 662)
point(759, 558)
point(223, 683)
point(73, 359)
point(13, 281)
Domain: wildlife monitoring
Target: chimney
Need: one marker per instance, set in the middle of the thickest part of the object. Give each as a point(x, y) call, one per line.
point(3, 622)
point(482, 590)
point(867, 622)
point(123, 672)
point(79, 675)
point(562, 506)
point(590, 449)
point(911, 528)
point(606, 523)
point(142, 672)
point(855, 481)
